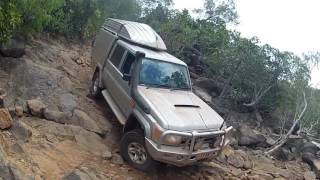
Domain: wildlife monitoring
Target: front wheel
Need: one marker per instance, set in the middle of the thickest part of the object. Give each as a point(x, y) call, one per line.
point(134, 151)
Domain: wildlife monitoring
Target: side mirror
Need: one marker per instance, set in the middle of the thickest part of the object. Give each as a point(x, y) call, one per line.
point(126, 77)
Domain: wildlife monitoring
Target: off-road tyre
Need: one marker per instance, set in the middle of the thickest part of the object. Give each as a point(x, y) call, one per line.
point(95, 90)
point(136, 136)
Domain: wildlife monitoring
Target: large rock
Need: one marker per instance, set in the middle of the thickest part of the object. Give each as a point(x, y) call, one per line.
point(67, 103)
point(21, 131)
point(56, 116)
point(249, 137)
point(84, 120)
point(13, 48)
point(86, 140)
point(36, 107)
point(5, 119)
point(309, 175)
point(209, 85)
point(84, 173)
point(19, 111)
point(237, 158)
point(206, 97)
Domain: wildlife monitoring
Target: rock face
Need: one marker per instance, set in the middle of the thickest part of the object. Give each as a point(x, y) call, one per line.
point(36, 107)
point(5, 119)
point(250, 138)
point(82, 119)
point(13, 48)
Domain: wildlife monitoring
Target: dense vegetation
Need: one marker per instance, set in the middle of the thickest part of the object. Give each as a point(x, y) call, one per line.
point(257, 76)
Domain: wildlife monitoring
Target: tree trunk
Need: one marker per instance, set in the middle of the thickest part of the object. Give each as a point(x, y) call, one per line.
point(285, 138)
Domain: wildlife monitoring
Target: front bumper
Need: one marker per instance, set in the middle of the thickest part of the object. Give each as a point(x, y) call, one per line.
point(181, 157)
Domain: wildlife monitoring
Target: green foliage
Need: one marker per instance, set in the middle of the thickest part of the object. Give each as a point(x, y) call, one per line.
point(9, 19)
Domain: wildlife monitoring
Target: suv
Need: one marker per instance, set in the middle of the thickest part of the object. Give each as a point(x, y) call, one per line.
point(150, 93)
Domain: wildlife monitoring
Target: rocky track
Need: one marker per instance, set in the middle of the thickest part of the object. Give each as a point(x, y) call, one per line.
point(71, 136)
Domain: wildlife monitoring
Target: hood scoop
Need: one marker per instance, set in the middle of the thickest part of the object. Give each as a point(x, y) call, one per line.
point(186, 105)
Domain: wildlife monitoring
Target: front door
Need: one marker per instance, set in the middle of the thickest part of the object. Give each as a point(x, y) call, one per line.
point(120, 62)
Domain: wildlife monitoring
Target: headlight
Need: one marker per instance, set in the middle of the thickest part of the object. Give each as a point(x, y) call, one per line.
point(172, 140)
point(168, 140)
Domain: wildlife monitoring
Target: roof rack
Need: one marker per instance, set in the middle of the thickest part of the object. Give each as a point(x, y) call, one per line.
point(134, 32)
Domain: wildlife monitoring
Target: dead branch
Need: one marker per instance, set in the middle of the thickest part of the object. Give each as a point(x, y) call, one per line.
point(285, 138)
point(258, 96)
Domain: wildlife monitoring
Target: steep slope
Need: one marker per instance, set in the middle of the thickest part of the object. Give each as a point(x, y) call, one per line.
point(58, 73)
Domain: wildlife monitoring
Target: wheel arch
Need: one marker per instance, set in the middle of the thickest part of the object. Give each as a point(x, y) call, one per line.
point(136, 120)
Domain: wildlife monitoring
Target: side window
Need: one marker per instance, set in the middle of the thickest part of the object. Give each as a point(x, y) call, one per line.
point(126, 67)
point(117, 55)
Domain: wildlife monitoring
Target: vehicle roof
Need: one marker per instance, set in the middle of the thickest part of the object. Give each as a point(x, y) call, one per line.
point(153, 54)
point(135, 32)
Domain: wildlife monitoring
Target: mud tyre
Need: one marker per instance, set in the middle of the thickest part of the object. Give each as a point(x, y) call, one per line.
point(95, 90)
point(134, 151)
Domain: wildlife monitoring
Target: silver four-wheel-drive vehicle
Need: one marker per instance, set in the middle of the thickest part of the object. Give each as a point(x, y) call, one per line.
point(151, 95)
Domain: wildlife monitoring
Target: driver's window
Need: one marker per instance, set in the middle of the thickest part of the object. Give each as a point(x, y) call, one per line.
point(127, 64)
point(117, 55)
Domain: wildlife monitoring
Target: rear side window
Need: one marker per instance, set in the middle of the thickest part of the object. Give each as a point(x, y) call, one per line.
point(128, 63)
point(117, 55)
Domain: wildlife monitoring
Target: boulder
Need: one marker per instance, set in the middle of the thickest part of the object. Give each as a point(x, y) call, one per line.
point(249, 137)
point(76, 175)
point(206, 97)
point(15, 48)
point(21, 131)
point(107, 155)
point(209, 85)
point(309, 175)
point(19, 111)
point(56, 116)
point(316, 167)
point(310, 147)
point(285, 154)
point(67, 103)
point(36, 107)
point(82, 119)
point(5, 119)
point(90, 142)
point(84, 173)
point(117, 159)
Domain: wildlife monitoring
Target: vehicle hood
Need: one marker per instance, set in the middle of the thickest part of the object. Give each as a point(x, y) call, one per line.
point(181, 110)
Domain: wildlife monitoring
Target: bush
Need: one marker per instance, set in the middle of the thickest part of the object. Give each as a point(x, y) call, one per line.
point(9, 19)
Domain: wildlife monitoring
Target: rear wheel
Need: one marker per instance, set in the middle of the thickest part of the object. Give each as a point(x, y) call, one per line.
point(95, 90)
point(134, 151)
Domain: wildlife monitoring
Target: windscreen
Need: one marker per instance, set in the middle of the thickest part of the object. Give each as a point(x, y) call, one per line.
point(164, 74)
